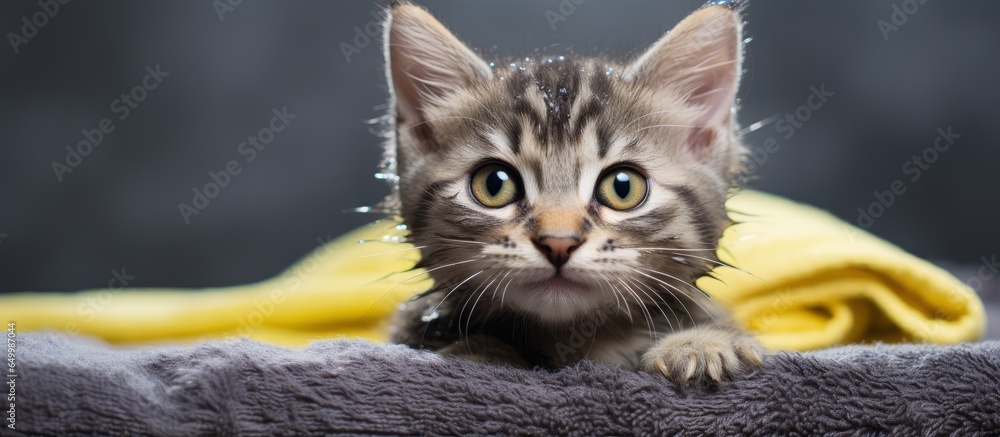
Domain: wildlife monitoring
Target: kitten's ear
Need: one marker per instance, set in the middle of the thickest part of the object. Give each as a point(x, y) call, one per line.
point(425, 62)
point(700, 58)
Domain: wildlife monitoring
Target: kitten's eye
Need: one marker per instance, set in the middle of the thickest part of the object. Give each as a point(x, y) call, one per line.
point(496, 185)
point(621, 189)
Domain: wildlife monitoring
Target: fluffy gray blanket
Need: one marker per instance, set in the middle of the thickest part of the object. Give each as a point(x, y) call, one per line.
point(242, 387)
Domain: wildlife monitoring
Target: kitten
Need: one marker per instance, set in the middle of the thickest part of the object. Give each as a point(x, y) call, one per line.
point(565, 206)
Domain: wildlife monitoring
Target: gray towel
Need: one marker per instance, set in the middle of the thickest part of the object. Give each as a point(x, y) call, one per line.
point(243, 387)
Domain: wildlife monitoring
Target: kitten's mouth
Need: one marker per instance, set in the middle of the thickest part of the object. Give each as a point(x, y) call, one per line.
point(555, 298)
point(559, 282)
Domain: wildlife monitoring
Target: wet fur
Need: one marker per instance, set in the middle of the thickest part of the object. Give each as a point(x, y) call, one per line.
point(560, 122)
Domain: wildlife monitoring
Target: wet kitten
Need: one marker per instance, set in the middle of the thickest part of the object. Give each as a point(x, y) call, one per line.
point(565, 206)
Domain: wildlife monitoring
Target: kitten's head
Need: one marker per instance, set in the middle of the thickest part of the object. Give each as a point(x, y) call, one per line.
point(557, 184)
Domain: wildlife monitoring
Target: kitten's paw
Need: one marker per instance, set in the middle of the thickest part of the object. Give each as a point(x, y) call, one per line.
point(704, 356)
point(485, 349)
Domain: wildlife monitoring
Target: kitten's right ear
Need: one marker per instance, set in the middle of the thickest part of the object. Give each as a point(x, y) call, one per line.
point(424, 63)
point(700, 58)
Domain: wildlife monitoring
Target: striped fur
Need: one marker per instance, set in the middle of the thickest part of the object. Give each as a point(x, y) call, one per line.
point(561, 122)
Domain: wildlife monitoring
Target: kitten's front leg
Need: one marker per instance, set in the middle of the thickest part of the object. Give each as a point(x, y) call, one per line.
point(485, 349)
point(708, 355)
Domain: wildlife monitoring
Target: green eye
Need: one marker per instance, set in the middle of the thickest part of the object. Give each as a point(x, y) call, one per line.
point(496, 185)
point(621, 189)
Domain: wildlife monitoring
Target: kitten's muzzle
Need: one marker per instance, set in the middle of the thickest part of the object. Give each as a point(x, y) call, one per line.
point(557, 249)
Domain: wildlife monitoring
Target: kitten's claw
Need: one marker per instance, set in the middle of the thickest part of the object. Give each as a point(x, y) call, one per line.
point(705, 355)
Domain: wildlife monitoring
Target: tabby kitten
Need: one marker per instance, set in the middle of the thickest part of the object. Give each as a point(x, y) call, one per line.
point(565, 207)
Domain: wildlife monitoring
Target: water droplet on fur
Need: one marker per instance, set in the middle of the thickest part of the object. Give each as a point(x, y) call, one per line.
point(428, 317)
point(747, 41)
point(401, 226)
point(561, 58)
point(492, 64)
point(513, 65)
point(549, 60)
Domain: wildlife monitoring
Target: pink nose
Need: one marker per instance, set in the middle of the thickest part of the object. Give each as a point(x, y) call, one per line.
point(557, 249)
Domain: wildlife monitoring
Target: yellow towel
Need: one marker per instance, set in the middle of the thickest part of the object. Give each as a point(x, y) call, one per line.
point(800, 278)
point(806, 280)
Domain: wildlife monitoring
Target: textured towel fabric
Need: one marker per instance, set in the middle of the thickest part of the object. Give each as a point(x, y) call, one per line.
point(250, 388)
point(807, 281)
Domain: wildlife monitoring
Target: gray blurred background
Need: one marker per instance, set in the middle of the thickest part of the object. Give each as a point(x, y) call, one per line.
point(119, 207)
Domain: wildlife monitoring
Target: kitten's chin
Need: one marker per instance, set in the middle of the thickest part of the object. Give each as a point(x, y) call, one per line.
point(556, 299)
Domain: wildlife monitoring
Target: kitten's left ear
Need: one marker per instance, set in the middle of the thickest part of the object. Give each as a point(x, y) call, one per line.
point(425, 62)
point(700, 58)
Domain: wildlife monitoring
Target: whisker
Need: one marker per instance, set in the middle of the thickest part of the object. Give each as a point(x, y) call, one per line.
point(670, 248)
point(690, 297)
point(417, 296)
point(443, 299)
point(669, 307)
point(618, 303)
point(713, 261)
point(758, 125)
point(660, 125)
point(449, 118)
point(721, 263)
point(679, 280)
point(619, 293)
point(468, 322)
point(645, 311)
point(622, 129)
point(670, 290)
point(427, 324)
point(494, 297)
point(520, 281)
point(425, 272)
point(452, 240)
point(654, 302)
point(394, 251)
